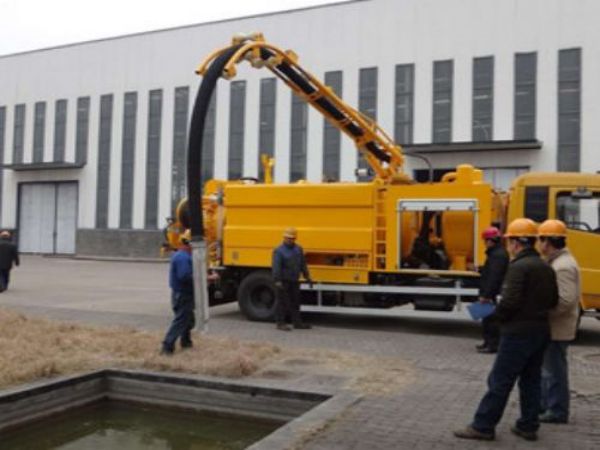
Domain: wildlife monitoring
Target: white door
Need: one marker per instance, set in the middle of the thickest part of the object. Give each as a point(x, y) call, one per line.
point(66, 217)
point(48, 218)
point(36, 218)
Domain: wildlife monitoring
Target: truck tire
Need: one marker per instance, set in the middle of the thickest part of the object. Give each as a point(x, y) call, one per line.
point(256, 296)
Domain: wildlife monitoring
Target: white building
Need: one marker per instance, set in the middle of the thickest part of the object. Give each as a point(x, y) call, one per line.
point(93, 135)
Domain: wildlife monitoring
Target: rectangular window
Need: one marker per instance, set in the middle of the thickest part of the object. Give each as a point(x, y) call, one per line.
point(208, 140)
point(367, 103)
point(483, 99)
point(237, 107)
point(536, 203)
point(104, 138)
point(266, 121)
point(569, 110)
point(2, 137)
point(18, 134)
point(180, 129)
point(60, 130)
point(39, 131)
point(525, 95)
point(128, 158)
point(153, 157)
point(404, 104)
point(331, 135)
point(443, 79)
point(82, 130)
point(299, 127)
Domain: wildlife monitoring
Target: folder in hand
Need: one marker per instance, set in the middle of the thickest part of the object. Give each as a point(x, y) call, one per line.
point(479, 310)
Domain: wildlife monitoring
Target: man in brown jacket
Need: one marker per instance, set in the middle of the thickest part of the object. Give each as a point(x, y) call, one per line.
point(563, 321)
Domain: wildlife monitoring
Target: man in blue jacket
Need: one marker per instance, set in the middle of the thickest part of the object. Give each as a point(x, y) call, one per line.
point(288, 264)
point(182, 297)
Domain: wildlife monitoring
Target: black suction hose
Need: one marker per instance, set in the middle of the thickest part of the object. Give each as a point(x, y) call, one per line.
point(194, 169)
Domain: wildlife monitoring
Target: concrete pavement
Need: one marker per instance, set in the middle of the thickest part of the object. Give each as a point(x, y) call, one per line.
point(448, 375)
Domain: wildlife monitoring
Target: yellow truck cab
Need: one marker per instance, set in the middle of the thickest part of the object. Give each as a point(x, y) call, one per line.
point(573, 198)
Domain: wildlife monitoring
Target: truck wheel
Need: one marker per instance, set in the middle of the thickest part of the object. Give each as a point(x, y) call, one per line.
point(256, 296)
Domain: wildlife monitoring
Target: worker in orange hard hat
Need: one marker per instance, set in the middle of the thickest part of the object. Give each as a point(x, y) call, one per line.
point(563, 321)
point(9, 255)
point(490, 283)
point(288, 264)
point(529, 292)
point(181, 283)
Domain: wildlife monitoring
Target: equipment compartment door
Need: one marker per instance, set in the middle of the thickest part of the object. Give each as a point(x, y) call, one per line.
point(47, 217)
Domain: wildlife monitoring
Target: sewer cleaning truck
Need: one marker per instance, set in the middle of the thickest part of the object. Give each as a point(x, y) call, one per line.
point(372, 245)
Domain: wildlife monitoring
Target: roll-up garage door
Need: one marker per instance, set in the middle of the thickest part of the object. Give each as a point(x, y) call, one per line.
point(47, 217)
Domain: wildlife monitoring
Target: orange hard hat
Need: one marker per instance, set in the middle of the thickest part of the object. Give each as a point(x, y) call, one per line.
point(290, 233)
point(553, 228)
point(521, 227)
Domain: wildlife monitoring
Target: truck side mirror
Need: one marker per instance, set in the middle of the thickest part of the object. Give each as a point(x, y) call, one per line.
point(582, 193)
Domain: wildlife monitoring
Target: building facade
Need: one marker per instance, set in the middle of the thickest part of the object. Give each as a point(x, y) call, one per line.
point(93, 135)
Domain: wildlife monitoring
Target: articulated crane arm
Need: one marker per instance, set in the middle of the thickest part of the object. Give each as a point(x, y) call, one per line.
point(382, 154)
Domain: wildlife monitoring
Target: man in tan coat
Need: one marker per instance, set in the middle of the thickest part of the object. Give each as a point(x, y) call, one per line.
point(563, 321)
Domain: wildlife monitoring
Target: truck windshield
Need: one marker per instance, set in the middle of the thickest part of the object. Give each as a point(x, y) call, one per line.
point(581, 214)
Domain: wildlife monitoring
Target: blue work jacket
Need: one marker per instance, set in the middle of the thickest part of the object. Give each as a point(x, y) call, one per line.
point(181, 273)
point(289, 263)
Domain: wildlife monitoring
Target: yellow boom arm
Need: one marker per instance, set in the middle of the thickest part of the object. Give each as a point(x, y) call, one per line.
point(383, 155)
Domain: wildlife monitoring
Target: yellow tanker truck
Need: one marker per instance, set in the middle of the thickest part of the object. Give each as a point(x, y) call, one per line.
point(377, 244)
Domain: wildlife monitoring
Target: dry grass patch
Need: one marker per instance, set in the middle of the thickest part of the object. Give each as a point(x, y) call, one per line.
point(32, 348)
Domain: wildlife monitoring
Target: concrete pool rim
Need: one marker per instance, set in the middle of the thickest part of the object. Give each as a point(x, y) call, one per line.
point(303, 412)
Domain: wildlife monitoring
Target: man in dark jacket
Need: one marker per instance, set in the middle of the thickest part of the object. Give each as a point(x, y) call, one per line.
point(490, 284)
point(182, 297)
point(8, 255)
point(529, 293)
point(288, 264)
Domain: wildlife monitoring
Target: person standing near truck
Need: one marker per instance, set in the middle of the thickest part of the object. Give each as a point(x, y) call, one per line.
point(288, 264)
point(8, 255)
point(528, 294)
point(490, 284)
point(181, 282)
point(563, 321)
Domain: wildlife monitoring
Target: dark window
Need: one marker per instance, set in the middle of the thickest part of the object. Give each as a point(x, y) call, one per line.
point(2, 146)
point(208, 139)
point(443, 78)
point(483, 99)
point(104, 140)
point(60, 129)
point(404, 104)
point(536, 203)
point(237, 107)
point(569, 110)
point(153, 157)
point(525, 95)
point(266, 121)
point(331, 134)
point(39, 131)
point(18, 134)
point(128, 158)
point(423, 175)
point(299, 126)
point(82, 130)
point(367, 103)
point(180, 129)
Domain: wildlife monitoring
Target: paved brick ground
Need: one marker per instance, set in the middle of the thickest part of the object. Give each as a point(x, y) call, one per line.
point(449, 377)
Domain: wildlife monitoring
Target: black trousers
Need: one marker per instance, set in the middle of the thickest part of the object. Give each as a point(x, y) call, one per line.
point(288, 302)
point(491, 331)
